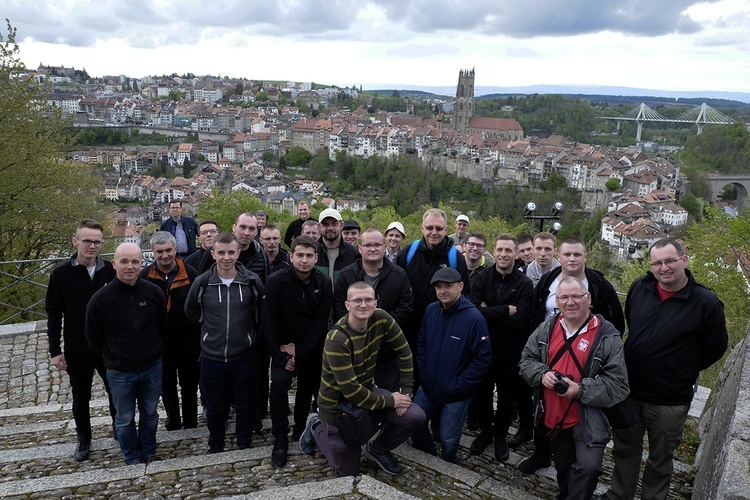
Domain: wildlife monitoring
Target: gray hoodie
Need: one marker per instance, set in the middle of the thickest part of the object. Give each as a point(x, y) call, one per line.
point(229, 315)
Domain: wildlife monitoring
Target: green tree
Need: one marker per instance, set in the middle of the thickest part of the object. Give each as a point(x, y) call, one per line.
point(186, 168)
point(42, 196)
point(692, 205)
point(267, 156)
point(261, 96)
point(298, 155)
point(225, 207)
point(612, 184)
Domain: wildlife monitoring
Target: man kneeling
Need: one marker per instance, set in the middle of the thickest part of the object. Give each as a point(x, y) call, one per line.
point(349, 355)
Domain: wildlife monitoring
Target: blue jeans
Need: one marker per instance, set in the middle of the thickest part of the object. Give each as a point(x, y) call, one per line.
point(145, 388)
point(221, 381)
point(452, 416)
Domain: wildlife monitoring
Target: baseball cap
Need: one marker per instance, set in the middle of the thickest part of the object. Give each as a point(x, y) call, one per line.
point(463, 218)
point(261, 212)
point(446, 275)
point(330, 212)
point(397, 226)
point(351, 224)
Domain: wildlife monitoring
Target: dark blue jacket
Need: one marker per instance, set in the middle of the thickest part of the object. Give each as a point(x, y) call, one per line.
point(188, 225)
point(453, 351)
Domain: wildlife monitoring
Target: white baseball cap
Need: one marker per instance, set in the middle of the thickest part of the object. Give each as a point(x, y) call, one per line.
point(398, 226)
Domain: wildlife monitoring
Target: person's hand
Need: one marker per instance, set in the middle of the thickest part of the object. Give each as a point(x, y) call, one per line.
point(59, 362)
point(288, 349)
point(512, 310)
point(401, 402)
point(290, 367)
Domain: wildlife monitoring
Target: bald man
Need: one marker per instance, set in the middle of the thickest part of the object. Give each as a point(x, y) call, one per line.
point(125, 325)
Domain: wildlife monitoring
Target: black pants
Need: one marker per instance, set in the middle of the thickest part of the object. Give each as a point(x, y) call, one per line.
point(578, 466)
point(504, 375)
point(81, 375)
point(187, 374)
point(308, 383)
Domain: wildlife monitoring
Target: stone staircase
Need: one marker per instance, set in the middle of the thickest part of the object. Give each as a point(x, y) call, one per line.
point(37, 439)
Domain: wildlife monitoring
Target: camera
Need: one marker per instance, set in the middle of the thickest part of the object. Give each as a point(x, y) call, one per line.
point(561, 386)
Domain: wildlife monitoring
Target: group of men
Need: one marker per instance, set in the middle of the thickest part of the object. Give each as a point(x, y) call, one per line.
point(346, 313)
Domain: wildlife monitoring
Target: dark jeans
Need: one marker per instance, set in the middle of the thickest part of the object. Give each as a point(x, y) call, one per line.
point(451, 415)
point(578, 466)
point(308, 382)
point(260, 390)
point(344, 458)
point(222, 383)
point(524, 404)
point(81, 375)
point(188, 374)
point(504, 375)
point(143, 388)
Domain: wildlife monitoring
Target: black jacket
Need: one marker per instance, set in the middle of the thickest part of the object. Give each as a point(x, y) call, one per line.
point(182, 339)
point(201, 260)
point(392, 291)
point(670, 342)
point(70, 289)
point(507, 333)
point(280, 262)
point(347, 256)
point(604, 299)
point(126, 324)
point(188, 225)
point(297, 314)
point(255, 259)
point(420, 270)
point(294, 229)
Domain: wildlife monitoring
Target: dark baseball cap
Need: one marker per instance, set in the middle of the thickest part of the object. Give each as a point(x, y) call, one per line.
point(351, 224)
point(446, 275)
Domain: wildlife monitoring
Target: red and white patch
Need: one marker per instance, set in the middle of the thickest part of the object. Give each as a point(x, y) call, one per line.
point(583, 345)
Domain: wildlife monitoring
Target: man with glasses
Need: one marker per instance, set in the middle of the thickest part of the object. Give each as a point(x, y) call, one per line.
point(474, 249)
point(602, 298)
point(347, 375)
point(392, 290)
point(71, 286)
point(576, 360)
point(270, 238)
point(421, 259)
point(676, 329)
point(462, 230)
point(183, 228)
point(202, 260)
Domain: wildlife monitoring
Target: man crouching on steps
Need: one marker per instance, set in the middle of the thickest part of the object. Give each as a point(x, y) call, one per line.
point(349, 354)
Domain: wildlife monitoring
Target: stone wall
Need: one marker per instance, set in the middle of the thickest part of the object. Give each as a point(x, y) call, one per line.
point(723, 458)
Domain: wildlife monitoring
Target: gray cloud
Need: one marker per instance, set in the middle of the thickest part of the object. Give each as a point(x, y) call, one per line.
point(144, 23)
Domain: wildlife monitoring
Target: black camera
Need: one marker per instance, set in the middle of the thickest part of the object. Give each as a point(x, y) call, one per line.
point(561, 386)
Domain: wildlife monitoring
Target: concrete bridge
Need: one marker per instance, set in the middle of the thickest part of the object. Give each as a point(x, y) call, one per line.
point(717, 183)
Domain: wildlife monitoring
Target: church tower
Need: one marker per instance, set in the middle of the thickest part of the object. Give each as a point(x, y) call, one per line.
point(464, 108)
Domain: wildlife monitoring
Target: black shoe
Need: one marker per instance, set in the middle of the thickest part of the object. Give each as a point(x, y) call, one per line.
point(296, 433)
point(307, 444)
point(482, 441)
point(384, 460)
point(257, 427)
point(83, 450)
point(521, 436)
point(278, 455)
point(211, 451)
point(502, 453)
point(534, 463)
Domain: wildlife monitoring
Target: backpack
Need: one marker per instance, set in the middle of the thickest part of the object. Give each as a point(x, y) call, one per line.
point(452, 254)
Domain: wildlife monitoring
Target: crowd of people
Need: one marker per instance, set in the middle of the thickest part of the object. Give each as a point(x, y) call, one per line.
point(387, 341)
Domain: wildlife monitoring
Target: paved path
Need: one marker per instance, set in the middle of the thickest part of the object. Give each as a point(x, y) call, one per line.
point(37, 439)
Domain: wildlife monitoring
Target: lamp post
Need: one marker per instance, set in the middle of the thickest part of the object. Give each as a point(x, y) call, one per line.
point(529, 213)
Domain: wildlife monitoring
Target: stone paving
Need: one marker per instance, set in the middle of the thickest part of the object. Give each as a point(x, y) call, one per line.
point(37, 439)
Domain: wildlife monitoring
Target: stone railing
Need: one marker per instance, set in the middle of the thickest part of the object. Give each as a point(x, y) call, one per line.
point(723, 458)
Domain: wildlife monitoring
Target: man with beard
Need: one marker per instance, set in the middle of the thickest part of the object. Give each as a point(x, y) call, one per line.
point(334, 254)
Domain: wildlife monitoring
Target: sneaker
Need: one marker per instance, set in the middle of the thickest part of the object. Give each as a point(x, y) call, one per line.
point(83, 450)
point(384, 460)
point(481, 442)
point(278, 455)
point(521, 436)
point(307, 444)
point(502, 453)
point(534, 463)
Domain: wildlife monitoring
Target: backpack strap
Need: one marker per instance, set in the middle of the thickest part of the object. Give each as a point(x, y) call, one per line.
point(452, 254)
point(412, 251)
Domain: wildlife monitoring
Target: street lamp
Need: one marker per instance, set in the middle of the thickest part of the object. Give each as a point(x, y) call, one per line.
point(557, 208)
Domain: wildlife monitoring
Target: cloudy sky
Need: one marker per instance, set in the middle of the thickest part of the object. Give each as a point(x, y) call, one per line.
point(655, 44)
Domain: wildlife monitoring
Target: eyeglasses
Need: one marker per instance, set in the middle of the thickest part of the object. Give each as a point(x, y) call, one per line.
point(372, 246)
point(665, 262)
point(472, 244)
point(574, 298)
point(359, 301)
point(209, 231)
point(88, 243)
point(434, 228)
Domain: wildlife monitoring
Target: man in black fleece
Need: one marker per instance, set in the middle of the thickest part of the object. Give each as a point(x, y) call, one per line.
point(71, 286)
point(298, 300)
point(125, 325)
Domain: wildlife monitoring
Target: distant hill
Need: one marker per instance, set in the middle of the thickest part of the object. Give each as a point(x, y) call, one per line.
point(594, 92)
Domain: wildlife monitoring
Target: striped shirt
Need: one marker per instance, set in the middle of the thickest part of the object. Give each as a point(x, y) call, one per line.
point(349, 360)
